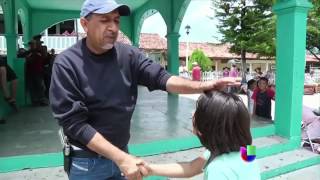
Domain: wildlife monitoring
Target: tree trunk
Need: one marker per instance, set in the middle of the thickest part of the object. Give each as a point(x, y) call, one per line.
point(243, 51)
point(244, 65)
point(314, 54)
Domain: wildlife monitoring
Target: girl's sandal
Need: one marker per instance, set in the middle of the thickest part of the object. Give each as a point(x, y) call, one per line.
point(12, 103)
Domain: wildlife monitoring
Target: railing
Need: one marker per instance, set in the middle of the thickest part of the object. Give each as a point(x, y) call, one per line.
point(205, 76)
point(59, 43)
point(315, 74)
point(213, 75)
point(3, 43)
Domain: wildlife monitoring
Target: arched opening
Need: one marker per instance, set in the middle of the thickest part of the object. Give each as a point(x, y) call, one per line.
point(199, 30)
point(2, 28)
point(3, 44)
point(153, 41)
point(20, 29)
point(41, 125)
point(313, 45)
point(62, 35)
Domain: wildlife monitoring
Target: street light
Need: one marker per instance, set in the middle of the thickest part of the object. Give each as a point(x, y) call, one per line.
point(188, 27)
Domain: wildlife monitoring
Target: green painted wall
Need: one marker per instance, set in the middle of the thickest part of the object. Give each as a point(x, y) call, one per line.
point(126, 26)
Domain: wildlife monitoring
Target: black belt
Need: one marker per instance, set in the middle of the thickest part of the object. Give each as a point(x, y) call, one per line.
point(85, 154)
point(88, 154)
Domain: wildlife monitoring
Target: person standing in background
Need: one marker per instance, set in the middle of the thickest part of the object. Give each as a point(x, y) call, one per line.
point(196, 72)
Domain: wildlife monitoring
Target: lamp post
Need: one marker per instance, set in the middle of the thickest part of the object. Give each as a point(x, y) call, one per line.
point(188, 27)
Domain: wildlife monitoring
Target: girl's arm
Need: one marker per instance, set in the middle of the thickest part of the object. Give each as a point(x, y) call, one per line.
point(178, 170)
point(254, 97)
point(254, 107)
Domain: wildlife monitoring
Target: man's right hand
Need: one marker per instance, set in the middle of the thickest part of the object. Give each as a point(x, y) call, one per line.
point(129, 166)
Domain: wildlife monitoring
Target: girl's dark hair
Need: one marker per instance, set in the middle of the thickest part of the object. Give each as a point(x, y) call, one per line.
point(250, 82)
point(222, 122)
point(263, 79)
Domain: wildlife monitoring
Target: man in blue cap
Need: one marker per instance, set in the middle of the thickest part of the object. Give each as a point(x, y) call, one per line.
point(94, 91)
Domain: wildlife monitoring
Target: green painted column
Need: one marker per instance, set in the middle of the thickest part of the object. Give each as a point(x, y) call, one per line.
point(173, 52)
point(290, 64)
point(135, 44)
point(8, 7)
point(17, 65)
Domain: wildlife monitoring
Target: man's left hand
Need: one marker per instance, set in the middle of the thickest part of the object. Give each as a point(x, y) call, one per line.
point(220, 84)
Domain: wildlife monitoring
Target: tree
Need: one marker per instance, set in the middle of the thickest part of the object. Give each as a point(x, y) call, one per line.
point(313, 30)
point(203, 61)
point(247, 25)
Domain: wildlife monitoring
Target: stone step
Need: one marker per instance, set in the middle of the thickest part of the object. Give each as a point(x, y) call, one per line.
point(278, 164)
point(296, 164)
point(284, 159)
point(268, 141)
point(308, 173)
point(193, 153)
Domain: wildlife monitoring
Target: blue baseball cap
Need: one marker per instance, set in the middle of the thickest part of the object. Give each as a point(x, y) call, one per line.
point(103, 7)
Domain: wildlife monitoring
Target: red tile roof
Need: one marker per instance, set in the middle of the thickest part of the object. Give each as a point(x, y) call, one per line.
point(215, 51)
point(147, 41)
point(155, 42)
point(150, 41)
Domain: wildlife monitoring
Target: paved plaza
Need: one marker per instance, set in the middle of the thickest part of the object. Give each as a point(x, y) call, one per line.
point(157, 117)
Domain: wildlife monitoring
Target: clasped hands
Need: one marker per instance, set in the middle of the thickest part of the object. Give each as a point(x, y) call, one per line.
point(134, 168)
